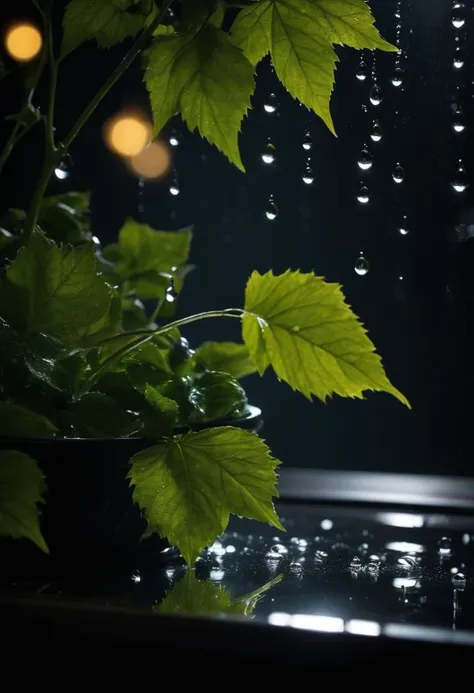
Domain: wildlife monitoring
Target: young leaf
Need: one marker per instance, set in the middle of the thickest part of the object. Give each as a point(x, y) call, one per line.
point(189, 485)
point(301, 326)
point(98, 416)
point(227, 357)
point(141, 249)
point(107, 21)
point(161, 420)
point(207, 79)
point(299, 35)
point(18, 422)
point(21, 489)
point(63, 217)
point(218, 396)
point(54, 289)
point(202, 597)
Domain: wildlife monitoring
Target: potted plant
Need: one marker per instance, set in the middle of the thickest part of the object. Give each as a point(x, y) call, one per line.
point(107, 418)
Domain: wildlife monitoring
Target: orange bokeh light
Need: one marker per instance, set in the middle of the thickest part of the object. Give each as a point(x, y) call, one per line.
point(152, 162)
point(128, 134)
point(23, 42)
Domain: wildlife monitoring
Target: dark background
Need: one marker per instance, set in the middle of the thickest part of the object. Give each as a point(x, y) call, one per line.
point(421, 324)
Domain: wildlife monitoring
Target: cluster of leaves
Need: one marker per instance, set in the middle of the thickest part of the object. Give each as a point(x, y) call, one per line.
point(193, 60)
point(69, 369)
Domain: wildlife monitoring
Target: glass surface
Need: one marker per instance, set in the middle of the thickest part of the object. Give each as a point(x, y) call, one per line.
point(367, 572)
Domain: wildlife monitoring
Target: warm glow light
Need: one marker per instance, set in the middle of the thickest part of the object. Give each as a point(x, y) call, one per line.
point(23, 42)
point(152, 162)
point(127, 135)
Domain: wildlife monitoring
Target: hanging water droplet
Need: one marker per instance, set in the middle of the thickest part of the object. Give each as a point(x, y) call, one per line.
point(460, 181)
point(376, 96)
point(270, 104)
point(361, 266)
point(171, 294)
point(444, 546)
point(363, 195)
point(397, 77)
point(271, 210)
point(174, 186)
point(308, 175)
point(377, 133)
point(362, 71)
point(268, 156)
point(174, 138)
point(458, 60)
point(458, 18)
point(398, 174)
point(307, 141)
point(356, 563)
point(62, 171)
point(296, 567)
point(459, 581)
point(458, 122)
point(365, 160)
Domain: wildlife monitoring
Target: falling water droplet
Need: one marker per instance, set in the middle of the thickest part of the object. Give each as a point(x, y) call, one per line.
point(444, 546)
point(376, 96)
point(460, 181)
point(268, 156)
point(398, 174)
point(458, 60)
point(271, 210)
point(363, 195)
point(296, 567)
point(397, 77)
point(174, 186)
point(62, 171)
point(174, 141)
point(171, 295)
point(356, 563)
point(458, 122)
point(458, 18)
point(377, 133)
point(307, 141)
point(135, 577)
point(459, 581)
point(308, 175)
point(271, 104)
point(362, 71)
point(365, 160)
point(361, 266)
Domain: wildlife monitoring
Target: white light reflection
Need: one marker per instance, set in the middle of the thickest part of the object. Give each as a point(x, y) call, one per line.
point(401, 519)
point(325, 624)
point(404, 547)
point(357, 627)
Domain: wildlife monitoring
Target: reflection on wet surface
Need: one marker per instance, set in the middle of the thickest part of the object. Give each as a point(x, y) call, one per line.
point(365, 572)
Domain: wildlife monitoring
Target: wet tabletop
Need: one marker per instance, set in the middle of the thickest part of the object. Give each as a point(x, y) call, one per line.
point(368, 572)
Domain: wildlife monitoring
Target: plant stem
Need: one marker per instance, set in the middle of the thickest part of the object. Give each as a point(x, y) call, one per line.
point(53, 80)
point(143, 337)
point(53, 157)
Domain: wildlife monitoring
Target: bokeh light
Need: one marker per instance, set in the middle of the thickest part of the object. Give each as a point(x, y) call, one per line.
point(23, 42)
point(152, 162)
point(128, 134)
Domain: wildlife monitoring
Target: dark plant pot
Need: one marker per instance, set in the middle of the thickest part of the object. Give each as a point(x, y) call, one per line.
point(89, 515)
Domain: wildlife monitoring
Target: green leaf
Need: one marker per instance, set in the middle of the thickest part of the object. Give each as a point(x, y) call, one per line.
point(299, 35)
point(18, 422)
point(54, 289)
point(162, 420)
point(141, 249)
point(302, 326)
point(207, 79)
point(97, 415)
point(107, 21)
point(202, 597)
point(21, 489)
point(228, 357)
point(64, 217)
point(188, 486)
point(218, 396)
point(196, 13)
